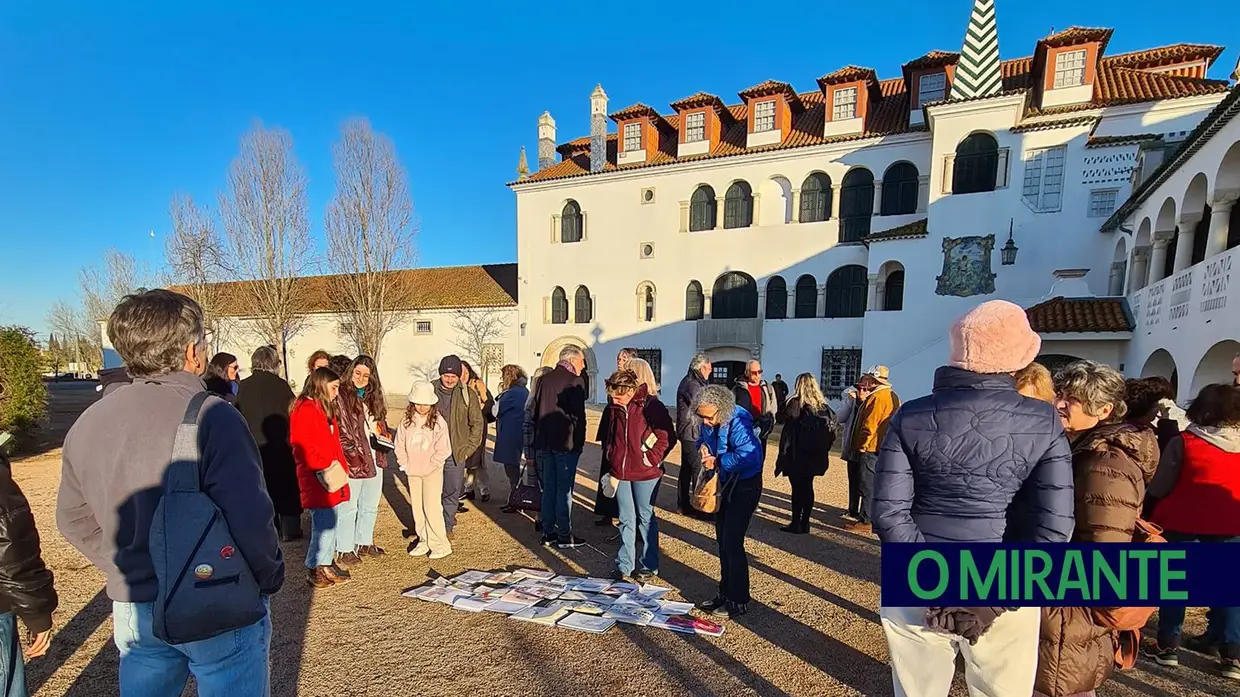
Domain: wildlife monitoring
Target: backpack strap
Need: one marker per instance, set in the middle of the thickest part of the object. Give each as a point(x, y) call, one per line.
point(183, 472)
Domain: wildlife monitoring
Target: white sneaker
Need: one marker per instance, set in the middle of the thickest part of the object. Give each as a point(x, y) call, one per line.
point(440, 554)
point(419, 551)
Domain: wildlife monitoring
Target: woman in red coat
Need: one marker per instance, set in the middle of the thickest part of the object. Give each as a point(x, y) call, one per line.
point(313, 433)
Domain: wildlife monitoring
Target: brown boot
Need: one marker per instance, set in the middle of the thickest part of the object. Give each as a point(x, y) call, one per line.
point(348, 560)
point(323, 577)
point(858, 527)
point(370, 551)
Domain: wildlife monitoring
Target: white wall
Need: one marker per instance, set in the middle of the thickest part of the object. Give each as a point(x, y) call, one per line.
point(913, 341)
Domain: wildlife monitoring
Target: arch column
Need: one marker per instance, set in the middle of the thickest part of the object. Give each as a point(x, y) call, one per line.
point(555, 228)
point(872, 303)
point(684, 216)
point(878, 197)
point(1220, 218)
point(1158, 258)
point(719, 213)
point(1140, 266)
point(796, 205)
point(835, 201)
point(1184, 246)
point(923, 193)
point(753, 219)
point(1115, 283)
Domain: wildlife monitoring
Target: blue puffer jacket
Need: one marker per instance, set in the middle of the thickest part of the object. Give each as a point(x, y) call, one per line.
point(954, 462)
point(736, 445)
point(510, 424)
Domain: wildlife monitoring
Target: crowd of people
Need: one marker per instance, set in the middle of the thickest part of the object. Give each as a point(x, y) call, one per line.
point(1000, 451)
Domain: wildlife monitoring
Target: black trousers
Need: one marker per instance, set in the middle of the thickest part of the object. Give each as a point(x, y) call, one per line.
point(854, 487)
point(690, 464)
point(802, 499)
point(865, 483)
point(740, 500)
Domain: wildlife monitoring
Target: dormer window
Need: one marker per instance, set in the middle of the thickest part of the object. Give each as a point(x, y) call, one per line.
point(1070, 69)
point(632, 136)
point(764, 116)
point(931, 88)
point(845, 104)
point(695, 127)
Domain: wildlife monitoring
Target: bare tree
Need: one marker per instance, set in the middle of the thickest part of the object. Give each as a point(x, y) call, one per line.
point(68, 322)
point(370, 234)
point(194, 255)
point(268, 233)
point(101, 288)
point(479, 336)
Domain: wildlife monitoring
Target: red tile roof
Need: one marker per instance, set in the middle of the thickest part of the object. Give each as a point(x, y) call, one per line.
point(907, 231)
point(1079, 35)
point(1110, 141)
point(636, 110)
point(491, 285)
point(1069, 315)
point(933, 59)
point(1121, 79)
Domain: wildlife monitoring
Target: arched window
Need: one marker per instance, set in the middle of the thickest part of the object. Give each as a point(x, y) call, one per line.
point(735, 295)
point(856, 204)
point(702, 207)
point(645, 302)
point(583, 306)
point(816, 198)
point(846, 290)
point(738, 206)
point(893, 291)
point(977, 164)
point(776, 298)
point(559, 306)
point(570, 222)
point(695, 304)
point(807, 297)
point(900, 185)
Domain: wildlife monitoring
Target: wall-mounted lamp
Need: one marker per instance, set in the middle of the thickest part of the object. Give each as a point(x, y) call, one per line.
point(1007, 254)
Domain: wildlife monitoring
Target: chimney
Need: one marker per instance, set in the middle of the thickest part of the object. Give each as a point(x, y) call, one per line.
point(598, 129)
point(546, 141)
point(1069, 283)
point(523, 168)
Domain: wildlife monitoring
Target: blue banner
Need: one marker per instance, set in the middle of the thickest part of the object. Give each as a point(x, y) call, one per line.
point(1049, 575)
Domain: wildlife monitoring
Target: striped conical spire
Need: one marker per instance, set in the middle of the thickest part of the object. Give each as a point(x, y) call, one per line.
point(977, 73)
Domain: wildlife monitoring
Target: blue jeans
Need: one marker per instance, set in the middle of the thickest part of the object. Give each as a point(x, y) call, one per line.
point(1222, 623)
point(233, 664)
point(558, 472)
point(636, 501)
point(356, 526)
point(321, 550)
point(453, 487)
point(12, 666)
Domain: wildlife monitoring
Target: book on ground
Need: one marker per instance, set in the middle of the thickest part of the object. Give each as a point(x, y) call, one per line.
point(417, 592)
point(541, 615)
point(574, 595)
point(653, 591)
point(630, 614)
point(619, 588)
point(688, 625)
point(593, 585)
point(674, 607)
point(539, 574)
point(471, 604)
point(472, 577)
point(586, 623)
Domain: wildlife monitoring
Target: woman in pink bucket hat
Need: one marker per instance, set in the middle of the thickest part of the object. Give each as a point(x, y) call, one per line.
point(973, 461)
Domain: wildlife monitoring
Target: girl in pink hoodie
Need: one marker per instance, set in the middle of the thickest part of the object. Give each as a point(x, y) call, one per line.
point(422, 446)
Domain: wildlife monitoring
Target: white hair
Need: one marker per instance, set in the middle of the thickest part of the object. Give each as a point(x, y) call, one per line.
point(569, 352)
point(719, 397)
point(698, 361)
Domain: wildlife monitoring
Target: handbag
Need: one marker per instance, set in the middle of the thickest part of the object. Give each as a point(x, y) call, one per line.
point(1124, 619)
point(706, 490)
point(333, 478)
point(527, 494)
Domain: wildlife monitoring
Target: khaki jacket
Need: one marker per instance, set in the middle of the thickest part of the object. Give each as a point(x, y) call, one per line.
point(872, 418)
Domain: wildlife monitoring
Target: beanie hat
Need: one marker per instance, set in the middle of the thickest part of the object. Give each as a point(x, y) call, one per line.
point(450, 365)
point(993, 337)
point(423, 393)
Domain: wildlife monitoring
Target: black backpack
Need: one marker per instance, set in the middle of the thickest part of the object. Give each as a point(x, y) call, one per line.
point(206, 587)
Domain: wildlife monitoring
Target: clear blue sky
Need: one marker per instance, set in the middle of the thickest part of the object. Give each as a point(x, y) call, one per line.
point(108, 109)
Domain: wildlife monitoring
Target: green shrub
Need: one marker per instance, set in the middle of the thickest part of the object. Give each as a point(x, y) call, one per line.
point(23, 397)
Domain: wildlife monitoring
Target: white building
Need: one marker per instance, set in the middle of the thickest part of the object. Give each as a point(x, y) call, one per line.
point(825, 229)
point(448, 304)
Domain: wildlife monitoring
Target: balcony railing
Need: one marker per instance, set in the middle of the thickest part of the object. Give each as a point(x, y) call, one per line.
point(717, 333)
point(1199, 292)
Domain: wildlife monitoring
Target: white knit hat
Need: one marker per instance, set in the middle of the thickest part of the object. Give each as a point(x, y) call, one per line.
point(423, 393)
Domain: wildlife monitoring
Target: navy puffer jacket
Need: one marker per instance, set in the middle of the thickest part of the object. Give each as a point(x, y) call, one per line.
point(954, 462)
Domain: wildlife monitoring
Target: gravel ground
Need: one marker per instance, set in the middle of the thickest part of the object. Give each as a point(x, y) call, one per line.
point(813, 629)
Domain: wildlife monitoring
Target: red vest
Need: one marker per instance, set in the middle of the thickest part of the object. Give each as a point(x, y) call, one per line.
point(1206, 496)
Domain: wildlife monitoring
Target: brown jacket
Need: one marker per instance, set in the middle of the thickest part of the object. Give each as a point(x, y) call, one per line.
point(872, 418)
point(355, 437)
point(1111, 465)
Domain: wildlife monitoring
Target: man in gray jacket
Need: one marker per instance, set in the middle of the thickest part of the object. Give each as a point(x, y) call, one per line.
point(114, 462)
point(687, 428)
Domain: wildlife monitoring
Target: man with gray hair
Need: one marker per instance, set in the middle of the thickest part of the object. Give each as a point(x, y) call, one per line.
point(559, 414)
point(115, 460)
point(687, 431)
